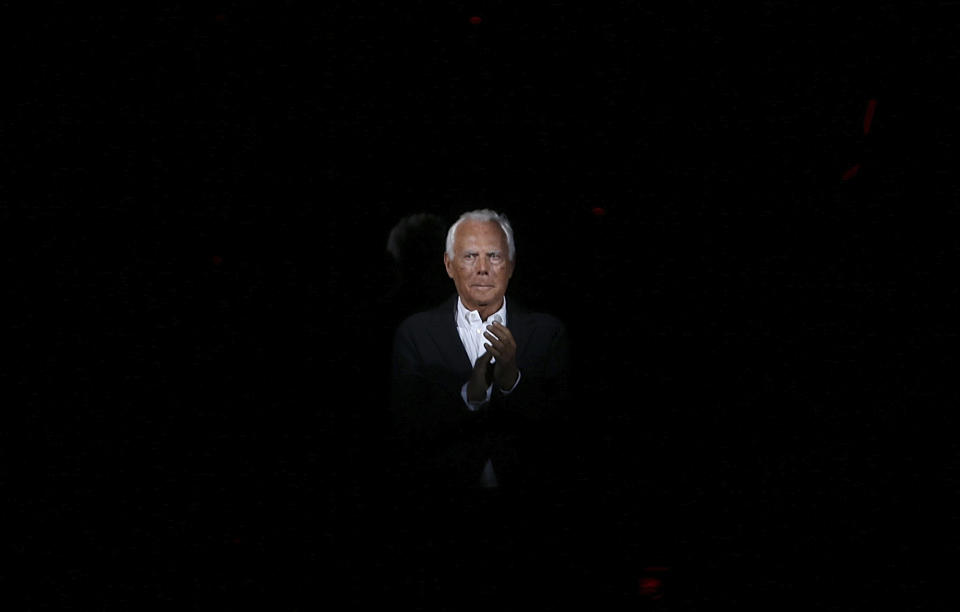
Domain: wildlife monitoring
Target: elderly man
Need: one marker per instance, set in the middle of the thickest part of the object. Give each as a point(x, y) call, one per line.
point(473, 377)
point(476, 384)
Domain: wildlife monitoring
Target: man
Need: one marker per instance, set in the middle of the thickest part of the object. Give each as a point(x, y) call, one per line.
point(477, 384)
point(474, 378)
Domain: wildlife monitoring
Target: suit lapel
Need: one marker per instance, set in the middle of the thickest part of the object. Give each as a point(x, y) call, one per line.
point(447, 339)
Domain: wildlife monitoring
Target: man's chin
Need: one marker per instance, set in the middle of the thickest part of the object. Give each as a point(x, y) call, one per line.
point(484, 300)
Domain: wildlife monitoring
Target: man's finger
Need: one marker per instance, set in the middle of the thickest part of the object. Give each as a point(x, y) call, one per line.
point(502, 347)
point(503, 334)
point(502, 330)
point(493, 339)
point(494, 351)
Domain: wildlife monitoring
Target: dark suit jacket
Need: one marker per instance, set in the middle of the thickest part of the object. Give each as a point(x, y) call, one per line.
point(447, 445)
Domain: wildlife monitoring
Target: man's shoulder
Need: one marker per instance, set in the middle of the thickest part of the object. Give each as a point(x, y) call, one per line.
point(517, 310)
point(429, 318)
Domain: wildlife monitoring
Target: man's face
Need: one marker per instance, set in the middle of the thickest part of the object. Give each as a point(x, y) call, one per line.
point(480, 267)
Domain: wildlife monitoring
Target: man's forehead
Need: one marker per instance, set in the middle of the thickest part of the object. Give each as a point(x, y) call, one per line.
point(480, 231)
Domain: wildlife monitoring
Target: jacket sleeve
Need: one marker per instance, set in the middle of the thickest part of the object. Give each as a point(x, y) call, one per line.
point(435, 429)
point(542, 393)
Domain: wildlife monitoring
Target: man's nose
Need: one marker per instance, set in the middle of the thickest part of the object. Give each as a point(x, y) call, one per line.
point(483, 266)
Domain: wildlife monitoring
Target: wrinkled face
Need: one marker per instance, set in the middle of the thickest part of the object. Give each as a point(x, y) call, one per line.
point(480, 268)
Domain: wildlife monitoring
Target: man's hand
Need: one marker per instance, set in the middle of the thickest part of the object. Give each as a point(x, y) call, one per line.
point(504, 348)
point(478, 383)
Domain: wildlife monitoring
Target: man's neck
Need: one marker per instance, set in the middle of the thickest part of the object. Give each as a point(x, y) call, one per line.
point(486, 312)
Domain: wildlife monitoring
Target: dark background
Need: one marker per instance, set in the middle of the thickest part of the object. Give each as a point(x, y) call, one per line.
point(197, 201)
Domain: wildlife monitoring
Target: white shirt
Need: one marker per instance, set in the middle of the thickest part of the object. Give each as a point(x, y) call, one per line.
point(471, 327)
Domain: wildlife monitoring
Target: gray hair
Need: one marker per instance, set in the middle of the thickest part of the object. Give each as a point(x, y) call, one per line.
point(483, 215)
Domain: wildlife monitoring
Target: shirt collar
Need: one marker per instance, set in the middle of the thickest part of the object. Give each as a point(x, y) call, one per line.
point(471, 318)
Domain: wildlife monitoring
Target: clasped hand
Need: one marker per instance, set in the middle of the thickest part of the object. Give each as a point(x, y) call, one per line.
point(505, 372)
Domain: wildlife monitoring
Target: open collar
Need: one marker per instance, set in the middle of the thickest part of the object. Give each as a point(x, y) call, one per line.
point(471, 318)
point(448, 338)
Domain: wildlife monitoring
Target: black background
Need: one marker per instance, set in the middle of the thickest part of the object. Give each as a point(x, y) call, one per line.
point(197, 202)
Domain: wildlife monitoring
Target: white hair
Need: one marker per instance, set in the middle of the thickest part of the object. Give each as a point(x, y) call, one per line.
point(483, 215)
